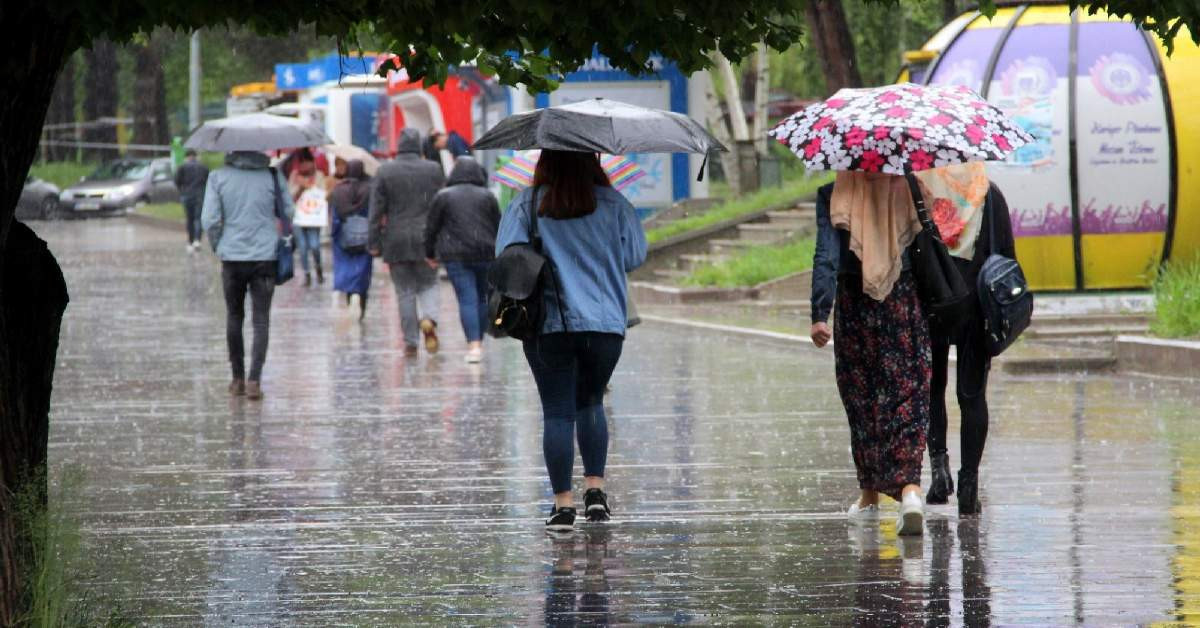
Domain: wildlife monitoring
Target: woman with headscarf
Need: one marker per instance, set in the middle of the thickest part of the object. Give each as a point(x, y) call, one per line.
point(351, 269)
point(865, 224)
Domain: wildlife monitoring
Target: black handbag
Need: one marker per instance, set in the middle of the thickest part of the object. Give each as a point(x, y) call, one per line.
point(1004, 298)
point(517, 280)
point(945, 296)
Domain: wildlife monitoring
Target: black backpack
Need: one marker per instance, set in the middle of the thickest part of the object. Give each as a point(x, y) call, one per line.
point(945, 295)
point(517, 279)
point(1004, 298)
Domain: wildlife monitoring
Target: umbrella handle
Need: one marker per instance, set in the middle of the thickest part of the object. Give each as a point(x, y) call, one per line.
point(704, 163)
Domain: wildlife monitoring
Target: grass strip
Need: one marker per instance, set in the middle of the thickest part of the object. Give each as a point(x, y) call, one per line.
point(756, 265)
point(168, 211)
point(791, 190)
point(1177, 300)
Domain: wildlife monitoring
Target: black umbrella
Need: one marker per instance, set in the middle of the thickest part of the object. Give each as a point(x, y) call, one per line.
point(601, 126)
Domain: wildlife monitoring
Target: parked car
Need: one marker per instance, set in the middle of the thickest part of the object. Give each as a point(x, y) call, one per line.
point(39, 200)
point(120, 185)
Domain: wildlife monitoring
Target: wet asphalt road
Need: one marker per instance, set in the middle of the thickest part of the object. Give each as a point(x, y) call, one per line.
point(370, 489)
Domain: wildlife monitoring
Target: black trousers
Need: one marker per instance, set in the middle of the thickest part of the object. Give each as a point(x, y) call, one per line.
point(972, 374)
point(257, 278)
point(191, 210)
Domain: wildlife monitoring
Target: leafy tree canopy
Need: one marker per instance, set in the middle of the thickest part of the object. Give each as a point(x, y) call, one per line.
point(524, 41)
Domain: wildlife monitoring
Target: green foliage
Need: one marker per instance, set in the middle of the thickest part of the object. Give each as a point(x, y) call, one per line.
point(61, 173)
point(790, 191)
point(1177, 300)
point(57, 599)
point(756, 265)
point(168, 211)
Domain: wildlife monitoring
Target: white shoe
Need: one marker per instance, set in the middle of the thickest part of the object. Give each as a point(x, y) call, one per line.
point(912, 515)
point(474, 356)
point(858, 512)
point(355, 303)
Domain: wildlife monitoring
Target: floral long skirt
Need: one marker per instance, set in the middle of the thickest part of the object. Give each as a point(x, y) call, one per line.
point(883, 364)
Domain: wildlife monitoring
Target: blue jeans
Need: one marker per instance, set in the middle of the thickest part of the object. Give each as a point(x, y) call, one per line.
point(471, 287)
point(309, 239)
point(572, 370)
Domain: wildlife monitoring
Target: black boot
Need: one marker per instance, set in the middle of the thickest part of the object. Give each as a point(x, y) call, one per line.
point(320, 275)
point(968, 493)
point(307, 280)
point(942, 486)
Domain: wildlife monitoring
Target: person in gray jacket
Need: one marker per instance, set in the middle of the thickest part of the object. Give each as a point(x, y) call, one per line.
point(241, 198)
point(401, 193)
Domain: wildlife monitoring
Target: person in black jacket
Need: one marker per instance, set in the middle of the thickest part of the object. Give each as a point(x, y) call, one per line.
point(190, 180)
point(461, 233)
point(973, 364)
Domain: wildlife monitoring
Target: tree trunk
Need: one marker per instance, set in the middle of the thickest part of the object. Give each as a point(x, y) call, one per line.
point(830, 33)
point(762, 93)
point(100, 98)
point(949, 10)
point(62, 113)
point(720, 129)
point(733, 99)
point(150, 96)
point(33, 46)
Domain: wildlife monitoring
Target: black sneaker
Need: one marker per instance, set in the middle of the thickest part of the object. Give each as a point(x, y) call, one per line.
point(561, 520)
point(595, 505)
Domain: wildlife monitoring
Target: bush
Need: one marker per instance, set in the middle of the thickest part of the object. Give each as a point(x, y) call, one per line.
point(170, 211)
point(756, 265)
point(1177, 300)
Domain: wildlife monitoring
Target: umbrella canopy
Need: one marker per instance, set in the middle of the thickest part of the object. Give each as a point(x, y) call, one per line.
point(518, 173)
point(256, 131)
point(601, 126)
point(350, 152)
point(899, 128)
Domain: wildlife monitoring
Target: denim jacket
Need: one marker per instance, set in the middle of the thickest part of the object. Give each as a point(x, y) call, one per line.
point(590, 255)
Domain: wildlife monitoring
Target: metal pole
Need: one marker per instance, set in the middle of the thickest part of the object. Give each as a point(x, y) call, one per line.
point(194, 82)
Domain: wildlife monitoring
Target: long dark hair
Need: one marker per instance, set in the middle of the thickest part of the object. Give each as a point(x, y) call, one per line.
point(568, 179)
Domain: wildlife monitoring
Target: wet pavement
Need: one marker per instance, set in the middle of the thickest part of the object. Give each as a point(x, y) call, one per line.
point(370, 489)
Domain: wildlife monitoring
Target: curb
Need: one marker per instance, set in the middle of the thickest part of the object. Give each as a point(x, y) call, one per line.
point(1159, 356)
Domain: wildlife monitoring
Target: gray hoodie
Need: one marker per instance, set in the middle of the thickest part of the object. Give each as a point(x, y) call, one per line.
point(243, 197)
point(401, 193)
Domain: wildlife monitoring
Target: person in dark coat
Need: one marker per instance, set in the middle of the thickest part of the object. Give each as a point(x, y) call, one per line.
point(461, 233)
point(401, 194)
point(351, 271)
point(190, 180)
point(973, 364)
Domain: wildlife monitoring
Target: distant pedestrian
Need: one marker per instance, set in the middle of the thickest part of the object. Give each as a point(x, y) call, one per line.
point(963, 195)
point(401, 194)
point(441, 140)
point(190, 180)
point(461, 233)
point(350, 203)
point(865, 224)
point(307, 187)
point(592, 237)
point(242, 197)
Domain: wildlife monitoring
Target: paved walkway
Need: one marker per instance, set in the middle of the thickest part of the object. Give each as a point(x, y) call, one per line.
point(368, 489)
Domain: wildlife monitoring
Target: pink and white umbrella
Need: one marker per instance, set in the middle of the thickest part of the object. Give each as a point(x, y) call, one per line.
point(898, 129)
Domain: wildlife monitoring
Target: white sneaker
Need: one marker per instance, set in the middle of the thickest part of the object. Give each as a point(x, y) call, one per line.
point(858, 512)
point(912, 515)
point(474, 356)
point(355, 303)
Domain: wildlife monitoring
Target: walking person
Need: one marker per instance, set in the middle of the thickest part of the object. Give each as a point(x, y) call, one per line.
point(592, 238)
point(461, 233)
point(246, 198)
point(307, 187)
point(401, 193)
point(865, 224)
point(191, 179)
point(350, 202)
point(978, 219)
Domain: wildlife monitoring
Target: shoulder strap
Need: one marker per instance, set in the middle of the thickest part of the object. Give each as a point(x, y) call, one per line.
point(918, 198)
point(989, 214)
point(285, 224)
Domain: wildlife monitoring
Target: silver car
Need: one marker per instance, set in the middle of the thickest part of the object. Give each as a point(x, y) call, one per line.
point(121, 185)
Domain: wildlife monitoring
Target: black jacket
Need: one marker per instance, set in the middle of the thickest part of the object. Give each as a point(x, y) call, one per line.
point(464, 217)
point(833, 257)
point(190, 180)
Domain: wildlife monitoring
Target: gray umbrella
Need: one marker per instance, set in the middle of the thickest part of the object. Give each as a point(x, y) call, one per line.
point(602, 126)
point(256, 131)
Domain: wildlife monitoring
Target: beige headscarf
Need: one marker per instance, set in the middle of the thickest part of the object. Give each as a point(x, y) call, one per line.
point(878, 211)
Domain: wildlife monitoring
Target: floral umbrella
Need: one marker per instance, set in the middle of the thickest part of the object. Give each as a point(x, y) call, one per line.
point(897, 129)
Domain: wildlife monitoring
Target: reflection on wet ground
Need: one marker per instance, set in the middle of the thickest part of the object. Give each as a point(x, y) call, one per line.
point(370, 489)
